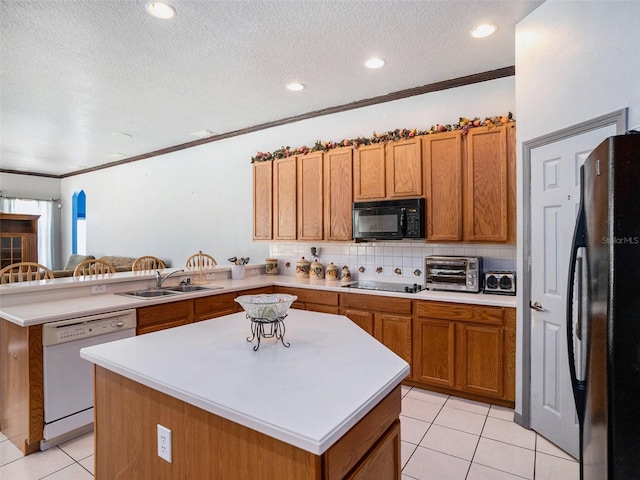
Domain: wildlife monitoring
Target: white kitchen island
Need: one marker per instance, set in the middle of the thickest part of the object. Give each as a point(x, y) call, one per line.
point(326, 407)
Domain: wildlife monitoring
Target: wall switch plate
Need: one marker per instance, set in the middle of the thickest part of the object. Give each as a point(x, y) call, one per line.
point(98, 289)
point(164, 443)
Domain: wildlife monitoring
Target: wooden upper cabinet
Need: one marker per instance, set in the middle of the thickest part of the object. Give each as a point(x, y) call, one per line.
point(369, 173)
point(487, 212)
point(404, 168)
point(443, 163)
point(263, 200)
point(310, 197)
point(338, 194)
point(284, 198)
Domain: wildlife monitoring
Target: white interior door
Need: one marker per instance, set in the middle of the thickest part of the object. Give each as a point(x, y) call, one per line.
point(555, 197)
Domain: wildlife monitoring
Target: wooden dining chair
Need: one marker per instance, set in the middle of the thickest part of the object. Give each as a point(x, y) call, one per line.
point(25, 272)
point(147, 262)
point(93, 266)
point(201, 260)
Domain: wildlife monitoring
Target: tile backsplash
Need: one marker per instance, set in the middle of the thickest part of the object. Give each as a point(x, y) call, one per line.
point(387, 261)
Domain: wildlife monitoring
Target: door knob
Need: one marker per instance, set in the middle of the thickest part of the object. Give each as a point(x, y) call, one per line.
point(537, 306)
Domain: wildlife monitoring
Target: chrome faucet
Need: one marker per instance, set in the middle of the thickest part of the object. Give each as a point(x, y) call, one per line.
point(160, 278)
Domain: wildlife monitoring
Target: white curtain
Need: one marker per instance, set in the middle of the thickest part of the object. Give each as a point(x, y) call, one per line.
point(44, 208)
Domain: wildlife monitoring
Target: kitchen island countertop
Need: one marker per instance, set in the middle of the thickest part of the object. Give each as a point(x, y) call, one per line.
point(308, 395)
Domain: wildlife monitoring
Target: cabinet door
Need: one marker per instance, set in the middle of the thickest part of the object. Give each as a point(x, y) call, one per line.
point(284, 198)
point(404, 168)
point(442, 154)
point(384, 460)
point(369, 173)
point(486, 217)
point(394, 331)
point(480, 359)
point(310, 194)
point(338, 194)
point(361, 318)
point(434, 356)
point(262, 200)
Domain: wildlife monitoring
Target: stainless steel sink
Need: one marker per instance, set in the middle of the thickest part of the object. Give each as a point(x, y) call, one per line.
point(149, 293)
point(164, 291)
point(189, 288)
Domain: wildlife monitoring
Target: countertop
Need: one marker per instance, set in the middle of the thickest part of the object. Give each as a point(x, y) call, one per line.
point(308, 395)
point(43, 304)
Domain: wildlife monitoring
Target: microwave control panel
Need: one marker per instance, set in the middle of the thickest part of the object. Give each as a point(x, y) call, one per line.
point(413, 220)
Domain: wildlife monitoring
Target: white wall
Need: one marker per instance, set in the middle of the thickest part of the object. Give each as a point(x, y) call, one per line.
point(574, 61)
point(201, 198)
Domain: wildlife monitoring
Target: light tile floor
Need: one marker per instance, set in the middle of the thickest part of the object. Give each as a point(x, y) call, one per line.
point(443, 438)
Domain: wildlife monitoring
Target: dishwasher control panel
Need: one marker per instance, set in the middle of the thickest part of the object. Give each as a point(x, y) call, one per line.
point(86, 327)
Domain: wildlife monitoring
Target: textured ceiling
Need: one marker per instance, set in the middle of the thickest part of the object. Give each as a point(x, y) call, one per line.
point(73, 72)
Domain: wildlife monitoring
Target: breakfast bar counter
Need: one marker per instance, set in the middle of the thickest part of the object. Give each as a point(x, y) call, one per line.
point(327, 406)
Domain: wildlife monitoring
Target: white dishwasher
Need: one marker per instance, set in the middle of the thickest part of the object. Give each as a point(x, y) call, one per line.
point(68, 379)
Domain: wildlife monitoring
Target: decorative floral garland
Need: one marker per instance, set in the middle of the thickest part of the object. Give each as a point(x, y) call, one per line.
point(463, 124)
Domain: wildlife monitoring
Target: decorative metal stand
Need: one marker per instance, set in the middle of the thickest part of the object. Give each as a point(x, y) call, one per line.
point(274, 328)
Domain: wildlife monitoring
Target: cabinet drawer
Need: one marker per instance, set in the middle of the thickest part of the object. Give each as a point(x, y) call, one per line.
point(376, 303)
point(311, 296)
point(460, 312)
point(165, 313)
point(215, 305)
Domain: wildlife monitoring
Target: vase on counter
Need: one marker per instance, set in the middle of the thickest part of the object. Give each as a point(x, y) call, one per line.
point(332, 272)
point(346, 275)
point(302, 268)
point(316, 270)
point(271, 266)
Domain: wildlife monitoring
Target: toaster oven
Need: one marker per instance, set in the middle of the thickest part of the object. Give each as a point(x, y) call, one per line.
point(500, 282)
point(461, 274)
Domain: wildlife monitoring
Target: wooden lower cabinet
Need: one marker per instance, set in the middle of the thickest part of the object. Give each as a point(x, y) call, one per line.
point(127, 415)
point(361, 318)
point(21, 385)
point(167, 315)
point(313, 300)
point(465, 349)
point(387, 319)
point(434, 357)
point(394, 331)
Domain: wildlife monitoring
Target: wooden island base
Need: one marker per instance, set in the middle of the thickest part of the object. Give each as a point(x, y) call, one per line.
point(208, 446)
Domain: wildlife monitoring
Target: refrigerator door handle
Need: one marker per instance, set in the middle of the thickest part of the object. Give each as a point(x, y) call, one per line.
point(579, 240)
point(580, 292)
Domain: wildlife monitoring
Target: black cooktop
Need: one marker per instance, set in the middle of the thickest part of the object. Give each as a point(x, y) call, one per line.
point(387, 286)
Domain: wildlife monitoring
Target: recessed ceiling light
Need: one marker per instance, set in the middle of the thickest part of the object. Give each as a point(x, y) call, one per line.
point(483, 30)
point(161, 10)
point(203, 133)
point(295, 86)
point(374, 63)
point(121, 135)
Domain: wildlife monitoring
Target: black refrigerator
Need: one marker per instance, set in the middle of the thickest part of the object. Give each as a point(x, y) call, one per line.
point(604, 285)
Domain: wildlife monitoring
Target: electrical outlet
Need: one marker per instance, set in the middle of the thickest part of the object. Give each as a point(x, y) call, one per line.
point(98, 289)
point(164, 443)
point(211, 276)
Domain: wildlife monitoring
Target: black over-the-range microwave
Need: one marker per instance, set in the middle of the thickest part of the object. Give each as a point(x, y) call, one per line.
point(388, 219)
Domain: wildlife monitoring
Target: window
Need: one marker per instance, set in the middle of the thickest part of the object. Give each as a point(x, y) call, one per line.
point(79, 223)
